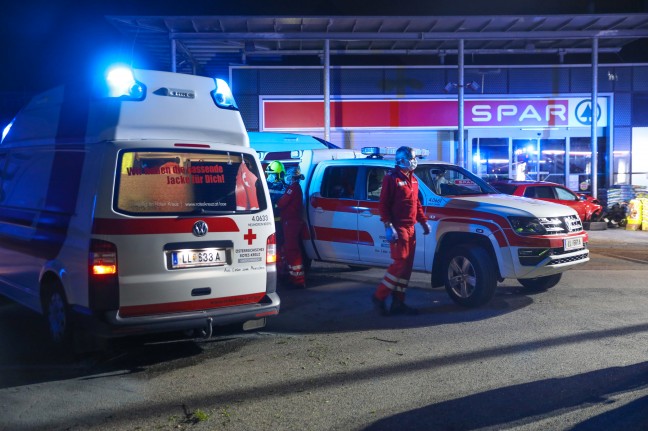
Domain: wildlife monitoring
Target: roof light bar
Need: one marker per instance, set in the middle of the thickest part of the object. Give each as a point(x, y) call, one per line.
point(222, 95)
point(122, 84)
point(421, 153)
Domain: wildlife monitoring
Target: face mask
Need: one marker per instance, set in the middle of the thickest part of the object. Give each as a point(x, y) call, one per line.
point(272, 178)
point(408, 165)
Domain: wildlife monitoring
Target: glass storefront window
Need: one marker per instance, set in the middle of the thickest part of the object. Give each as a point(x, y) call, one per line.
point(552, 160)
point(491, 157)
point(580, 164)
point(525, 159)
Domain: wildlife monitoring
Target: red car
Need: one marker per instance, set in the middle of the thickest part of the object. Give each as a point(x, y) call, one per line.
point(587, 207)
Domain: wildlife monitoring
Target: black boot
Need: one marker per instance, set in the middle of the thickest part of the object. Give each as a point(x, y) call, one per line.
point(399, 307)
point(379, 306)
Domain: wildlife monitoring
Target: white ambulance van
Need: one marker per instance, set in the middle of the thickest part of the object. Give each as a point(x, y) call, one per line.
point(136, 208)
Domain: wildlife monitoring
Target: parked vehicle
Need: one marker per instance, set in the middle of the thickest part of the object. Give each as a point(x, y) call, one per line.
point(479, 236)
point(137, 209)
point(588, 208)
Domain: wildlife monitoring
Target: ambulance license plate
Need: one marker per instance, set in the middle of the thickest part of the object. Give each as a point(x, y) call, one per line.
point(573, 243)
point(197, 258)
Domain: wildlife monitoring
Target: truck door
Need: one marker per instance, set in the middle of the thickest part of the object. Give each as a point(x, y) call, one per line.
point(374, 249)
point(333, 213)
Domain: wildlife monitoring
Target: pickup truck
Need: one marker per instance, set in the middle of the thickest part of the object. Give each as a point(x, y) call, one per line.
point(479, 236)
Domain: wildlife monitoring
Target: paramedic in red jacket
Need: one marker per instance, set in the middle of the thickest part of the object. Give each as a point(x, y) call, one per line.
point(399, 209)
point(291, 208)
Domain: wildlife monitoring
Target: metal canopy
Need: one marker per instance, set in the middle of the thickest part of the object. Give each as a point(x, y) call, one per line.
point(203, 43)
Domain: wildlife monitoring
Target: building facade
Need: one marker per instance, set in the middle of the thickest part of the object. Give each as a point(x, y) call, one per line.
point(529, 122)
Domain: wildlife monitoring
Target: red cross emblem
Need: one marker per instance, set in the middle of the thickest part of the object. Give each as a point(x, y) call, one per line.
point(249, 236)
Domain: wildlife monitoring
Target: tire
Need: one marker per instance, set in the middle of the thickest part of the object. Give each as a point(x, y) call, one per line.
point(595, 225)
point(57, 317)
point(470, 276)
point(541, 283)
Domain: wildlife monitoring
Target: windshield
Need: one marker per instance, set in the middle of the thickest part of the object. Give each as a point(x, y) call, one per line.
point(451, 180)
point(185, 182)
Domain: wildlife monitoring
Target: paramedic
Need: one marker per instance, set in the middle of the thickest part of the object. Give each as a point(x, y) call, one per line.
point(399, 209)
point(275, 173)
point(291, 208)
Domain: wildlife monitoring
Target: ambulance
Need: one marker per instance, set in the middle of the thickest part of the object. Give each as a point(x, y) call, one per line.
point(136, 207)
point(479, 237)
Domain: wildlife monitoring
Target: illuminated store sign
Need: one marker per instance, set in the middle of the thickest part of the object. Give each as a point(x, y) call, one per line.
point(304, 114)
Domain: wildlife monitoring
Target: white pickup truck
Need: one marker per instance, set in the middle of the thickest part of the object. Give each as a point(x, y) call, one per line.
point(478, 235)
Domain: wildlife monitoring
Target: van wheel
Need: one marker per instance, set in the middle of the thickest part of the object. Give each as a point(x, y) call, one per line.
point(470, 278)
point(541, 283)
point(57, 316)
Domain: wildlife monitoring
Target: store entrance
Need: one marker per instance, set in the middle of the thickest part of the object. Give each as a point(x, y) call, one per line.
point(547, 155)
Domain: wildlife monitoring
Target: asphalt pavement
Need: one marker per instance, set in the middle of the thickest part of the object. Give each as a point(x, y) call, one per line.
point(618, 236)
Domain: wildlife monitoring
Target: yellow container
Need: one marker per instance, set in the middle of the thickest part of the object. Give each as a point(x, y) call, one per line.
point(634, 214)
point(644, 217)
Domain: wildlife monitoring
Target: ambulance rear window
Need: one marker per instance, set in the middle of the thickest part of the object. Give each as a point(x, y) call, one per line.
point(169, 182)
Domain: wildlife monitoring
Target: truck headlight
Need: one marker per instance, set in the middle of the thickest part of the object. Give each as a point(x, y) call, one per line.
point(527, 226)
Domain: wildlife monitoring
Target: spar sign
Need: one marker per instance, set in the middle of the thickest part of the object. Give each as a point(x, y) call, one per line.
point(305, 114)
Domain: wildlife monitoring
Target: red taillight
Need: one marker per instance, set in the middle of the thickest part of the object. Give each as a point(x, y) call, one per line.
point(271, 249)
point(103, 257)
point(103, 282)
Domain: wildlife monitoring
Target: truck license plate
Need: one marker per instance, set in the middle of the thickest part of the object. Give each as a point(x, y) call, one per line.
point(573, 243)
point(196, 258)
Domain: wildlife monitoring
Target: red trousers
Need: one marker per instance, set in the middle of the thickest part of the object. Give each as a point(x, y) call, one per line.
point(292, 251)
point(398, 274)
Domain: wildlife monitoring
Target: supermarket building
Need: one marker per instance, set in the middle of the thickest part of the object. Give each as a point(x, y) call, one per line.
point(500, 95)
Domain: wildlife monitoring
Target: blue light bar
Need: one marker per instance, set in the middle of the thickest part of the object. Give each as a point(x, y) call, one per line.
point(222, 95)
point(122, 84)
point(6, 130)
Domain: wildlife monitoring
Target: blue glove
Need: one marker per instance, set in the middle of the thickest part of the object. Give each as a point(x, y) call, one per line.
point(390, 233)
point(426, 228)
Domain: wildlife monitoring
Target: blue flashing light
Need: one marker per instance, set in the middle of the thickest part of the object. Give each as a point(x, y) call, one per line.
point(370, 151)
point(122, 84)
point(222, 95)
point(6, 130)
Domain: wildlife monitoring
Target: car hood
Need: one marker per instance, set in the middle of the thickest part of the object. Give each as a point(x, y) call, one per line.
point(508, 205)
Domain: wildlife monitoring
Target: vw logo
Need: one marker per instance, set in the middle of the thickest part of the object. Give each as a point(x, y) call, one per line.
point(200, 228)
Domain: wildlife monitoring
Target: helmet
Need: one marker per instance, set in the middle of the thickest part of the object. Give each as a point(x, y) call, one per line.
point(275, 171)
point(293, 174)
point(405, 158)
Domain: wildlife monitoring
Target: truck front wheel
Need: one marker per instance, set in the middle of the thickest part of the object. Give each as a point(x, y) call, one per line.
point(541, 283)
point(470, 277)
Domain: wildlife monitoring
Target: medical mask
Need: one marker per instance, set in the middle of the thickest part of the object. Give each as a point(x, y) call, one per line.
point(408, 165)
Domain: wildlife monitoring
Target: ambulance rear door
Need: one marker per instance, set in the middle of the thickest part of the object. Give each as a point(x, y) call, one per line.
point(333, 211)
point(190, 226)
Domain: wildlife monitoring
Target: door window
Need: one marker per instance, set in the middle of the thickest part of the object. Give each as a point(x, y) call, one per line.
point(339, 182)
point(374, 183)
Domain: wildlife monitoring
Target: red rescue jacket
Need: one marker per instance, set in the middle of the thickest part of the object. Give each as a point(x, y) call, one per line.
point(399, 202)
point(291, 203)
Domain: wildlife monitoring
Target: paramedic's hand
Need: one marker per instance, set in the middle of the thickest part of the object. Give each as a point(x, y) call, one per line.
point(426, 228)
point(390, 233)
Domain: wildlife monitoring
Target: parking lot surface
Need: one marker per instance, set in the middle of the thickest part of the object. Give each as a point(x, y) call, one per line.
point(570, 358)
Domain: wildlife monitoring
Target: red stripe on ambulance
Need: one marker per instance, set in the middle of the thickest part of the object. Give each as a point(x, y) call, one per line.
point(108, 226)
point(178, 307)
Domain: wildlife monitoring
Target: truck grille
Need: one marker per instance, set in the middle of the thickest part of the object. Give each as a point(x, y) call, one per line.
point(561, 225)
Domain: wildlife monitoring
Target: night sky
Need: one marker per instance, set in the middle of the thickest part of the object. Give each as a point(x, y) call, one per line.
point(46, 42)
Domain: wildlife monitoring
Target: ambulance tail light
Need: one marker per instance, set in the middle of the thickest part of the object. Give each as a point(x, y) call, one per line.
point(271, 249)
point(222, 96)
point(103, 281)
